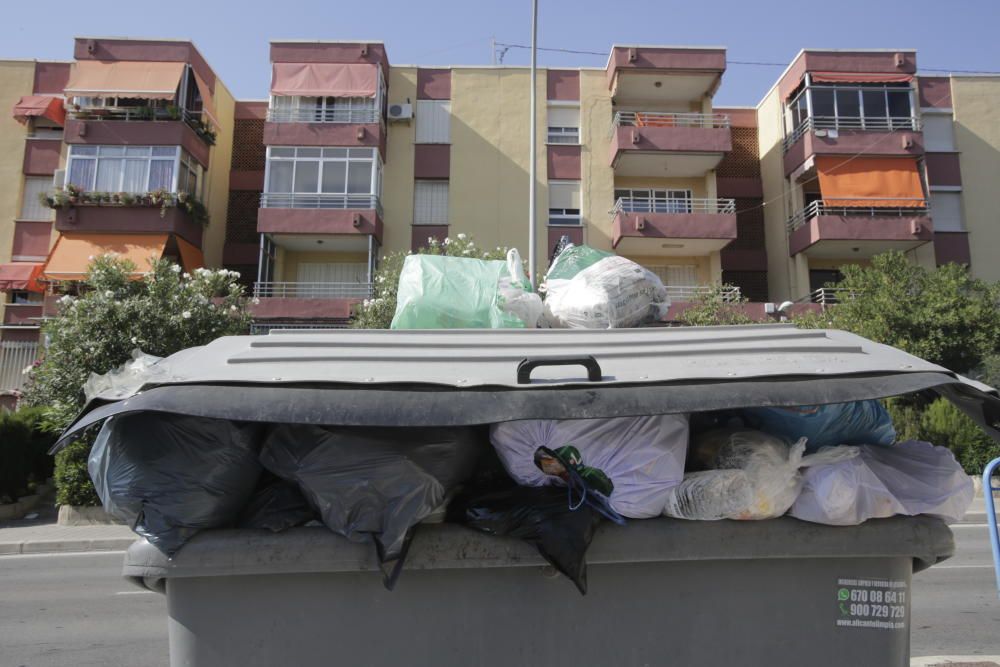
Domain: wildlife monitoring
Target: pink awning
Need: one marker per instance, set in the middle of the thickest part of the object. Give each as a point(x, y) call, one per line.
point(45, 106)
point(859, 77)
point(207, 103)
point(20, 276)
point(145, 80)
point(325, 79)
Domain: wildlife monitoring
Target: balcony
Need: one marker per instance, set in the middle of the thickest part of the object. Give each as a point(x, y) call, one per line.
point(678, 145)
point(320, 213)
point(307, 301)
point(828, 296)
point(825, 135)
point(23, 316)
point(351, 128)
point(679, 227)
point(124, 126)
point(297, 290)
point(134, 219)
point(831, 231)
point(659, 74)
point(690, 293)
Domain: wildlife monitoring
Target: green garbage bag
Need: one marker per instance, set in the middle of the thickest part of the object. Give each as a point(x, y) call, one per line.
point(441, 292)
point(574, 259)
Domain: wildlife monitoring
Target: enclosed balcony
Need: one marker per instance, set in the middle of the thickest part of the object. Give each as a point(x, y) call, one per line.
point(664, 226)
point(839, 228)
point(651, 143)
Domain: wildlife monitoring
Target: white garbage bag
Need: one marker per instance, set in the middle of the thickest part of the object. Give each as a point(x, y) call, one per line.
point(614, 293)
point(514, 293)
point(754, 476)
point(641, 457)
point(909, 478)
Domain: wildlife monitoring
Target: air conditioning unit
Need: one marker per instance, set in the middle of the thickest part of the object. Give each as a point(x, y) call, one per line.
point(400, 112)
point(59, 179)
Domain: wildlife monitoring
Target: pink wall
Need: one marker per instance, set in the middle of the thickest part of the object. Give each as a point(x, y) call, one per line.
point(31, 239)
point(41, 157)
point(652, 57)
point(325, 134)
point(880, 62)
point(860, 228)
point(420, 233)
point(685, 139)
point(854, 142)
point(318, 221)
point(330, 52)
point(131, 219)
point(739, 117)
point(240, 253)
point(943, 168)
point(739, 187)
point(312, 309)
point(952, 247)
point(133, 133)
point(241, 179)
point(563, 84)
point(251, 110)
point(563, 162)
point(22, 315)
point(674, 226)
point(433, 84)
point(50, 78)
point(432, 161)
point(104, 48)
point(575, 235)
point(935, 92)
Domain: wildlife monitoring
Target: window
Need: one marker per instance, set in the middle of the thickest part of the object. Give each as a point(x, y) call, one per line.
point(132, 169)
point(433, 122)
point(332, 272)
point(332, 171)
point(31, 206)
point(430, 203)
point(563, 124)
point(946, 211)
point(939, 132)
point(564, 203)
point(863, 106)
point(640, 200)
point(323, 109)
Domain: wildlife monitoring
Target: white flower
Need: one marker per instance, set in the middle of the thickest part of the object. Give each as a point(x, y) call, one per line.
point(109, 293)
point(255, 301)
point(430, 239)
point(186, 314)
point(90, 258)
point(176, 268)
point(232, 308)
point(462, 237)
point(187, 276)
point(134, 339)
point(27, 369)
point(447, 240)
point(66, 300)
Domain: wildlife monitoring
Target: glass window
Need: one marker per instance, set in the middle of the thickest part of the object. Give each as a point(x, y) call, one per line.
point(306, 176)
point(335, 177)
point(848, 103)
point(874, 101)
point(133, 169)
point(822, 102)
point(359, 177)
point(333, 171)
point(899, 103)
point(280, 176)
point(563, 124)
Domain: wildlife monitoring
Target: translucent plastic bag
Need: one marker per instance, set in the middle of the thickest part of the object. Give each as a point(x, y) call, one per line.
point(574, 259)
point(911, 478)
point(639, 457)
point(855, 423)
point(169, 476)
point(754, 476)
point(441, 292)
point(611, 294)
point(127, 378)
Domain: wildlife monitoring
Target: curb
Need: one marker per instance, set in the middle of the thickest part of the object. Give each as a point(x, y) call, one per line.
point(65, 546)
point(957, 660)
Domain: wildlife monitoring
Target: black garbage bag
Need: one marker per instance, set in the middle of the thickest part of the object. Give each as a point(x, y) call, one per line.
point(374, 483)
point(539, 515)
point(277, 505)
point(169, 476)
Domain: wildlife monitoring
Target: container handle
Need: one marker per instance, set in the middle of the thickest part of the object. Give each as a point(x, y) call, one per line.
point(587, 361)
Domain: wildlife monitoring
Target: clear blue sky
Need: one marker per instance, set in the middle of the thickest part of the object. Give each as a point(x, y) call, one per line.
point(234, 35)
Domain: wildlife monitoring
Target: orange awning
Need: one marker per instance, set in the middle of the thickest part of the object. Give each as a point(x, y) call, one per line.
point(325, 79)
point(207, 103)
point(191, 257)
point(45, 106)
point(859, 77)
point(147, 80)
point(20, 276)
point(870, 181)
point(73, 253)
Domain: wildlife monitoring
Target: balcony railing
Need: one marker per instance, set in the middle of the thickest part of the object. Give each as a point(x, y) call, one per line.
point(696, 292)
point(827, 296)
point(356, 116)
point(856, 208)
point(297, 290)
point(682, 206)
point(665, 119)
point(323, 200)
point(871, 124)
point(15, 356)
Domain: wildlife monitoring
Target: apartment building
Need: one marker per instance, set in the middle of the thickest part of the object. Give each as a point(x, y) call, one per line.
point(350, 157)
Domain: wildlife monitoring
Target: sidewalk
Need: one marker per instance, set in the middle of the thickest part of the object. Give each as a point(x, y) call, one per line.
point(43, 535)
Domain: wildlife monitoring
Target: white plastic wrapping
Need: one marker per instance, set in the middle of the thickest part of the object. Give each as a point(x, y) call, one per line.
point(611, 294)
point(643, 456)
point(127, 378)
point(514, 296)
point(909, 478)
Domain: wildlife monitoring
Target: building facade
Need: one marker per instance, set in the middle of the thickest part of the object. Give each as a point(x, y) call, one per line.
point(137, 147)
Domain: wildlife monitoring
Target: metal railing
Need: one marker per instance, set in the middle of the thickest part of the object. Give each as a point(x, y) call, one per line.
point(15, 356)
point(135, 113)
point(323, 115)
point(695, 292)
point(989, 489)
point(324, 200)
point(679, 205)
point(871, 124)
point(828, 296)
point(667, 119)
point(297, 290)
point(854, 207)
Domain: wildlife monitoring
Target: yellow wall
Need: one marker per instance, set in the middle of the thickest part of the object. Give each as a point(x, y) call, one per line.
point(397, 174)
point(976, 104)
point(220, 159)
point(488, 190)
point(783, 280)
point(702, 262)
point(597, 176)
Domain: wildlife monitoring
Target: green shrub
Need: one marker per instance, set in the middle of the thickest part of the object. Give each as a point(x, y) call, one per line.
point(717, 306)
point(941, 423)
point(73, 485)
point(15, 458)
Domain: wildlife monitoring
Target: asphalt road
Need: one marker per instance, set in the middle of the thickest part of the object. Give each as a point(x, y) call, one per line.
point(75, 610)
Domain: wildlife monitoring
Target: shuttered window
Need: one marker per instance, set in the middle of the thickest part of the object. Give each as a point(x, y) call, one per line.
point(31, 207)
point(939, 133)
point(946, 211)
point(564, 202)
point(430, 203)
point(433, 122)
point(563, 125)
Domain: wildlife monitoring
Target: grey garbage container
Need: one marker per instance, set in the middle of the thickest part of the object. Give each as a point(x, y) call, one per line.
point(662, 592)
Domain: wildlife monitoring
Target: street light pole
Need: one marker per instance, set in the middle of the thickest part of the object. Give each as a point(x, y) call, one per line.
point(532, 193)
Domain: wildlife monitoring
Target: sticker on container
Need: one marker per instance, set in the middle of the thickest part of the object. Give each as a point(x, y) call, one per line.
point(879, 604)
